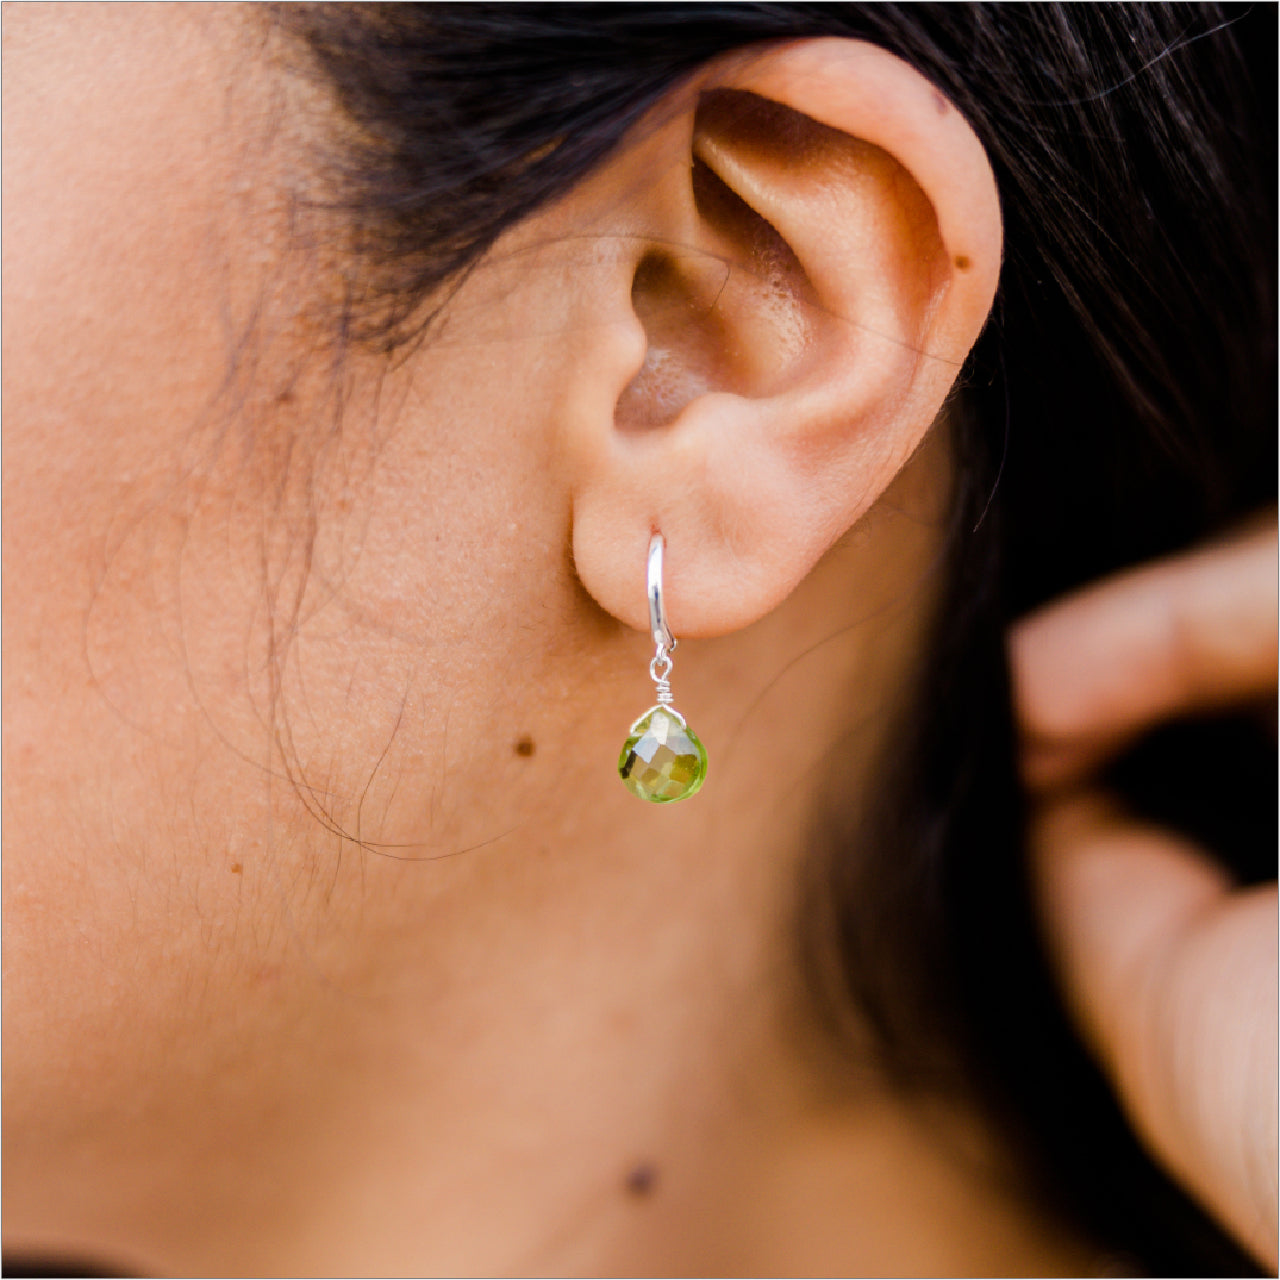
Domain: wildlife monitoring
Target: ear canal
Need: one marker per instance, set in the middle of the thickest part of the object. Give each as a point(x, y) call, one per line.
point(675, 294)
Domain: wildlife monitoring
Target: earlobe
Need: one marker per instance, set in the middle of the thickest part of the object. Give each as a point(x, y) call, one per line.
point(819, 251)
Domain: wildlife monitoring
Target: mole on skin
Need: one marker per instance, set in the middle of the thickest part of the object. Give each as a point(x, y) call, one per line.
point(642, 1180)
point(525, 746)
point(962, 262)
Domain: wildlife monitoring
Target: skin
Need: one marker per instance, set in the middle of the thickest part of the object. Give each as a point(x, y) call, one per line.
point(332, 945)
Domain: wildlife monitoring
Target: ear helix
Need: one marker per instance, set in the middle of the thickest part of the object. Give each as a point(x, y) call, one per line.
point(662, 759)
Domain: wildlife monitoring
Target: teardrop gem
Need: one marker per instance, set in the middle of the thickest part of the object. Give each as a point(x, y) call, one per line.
point(662, 759)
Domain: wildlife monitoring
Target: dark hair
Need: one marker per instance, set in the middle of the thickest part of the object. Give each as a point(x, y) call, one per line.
point(1120, 404)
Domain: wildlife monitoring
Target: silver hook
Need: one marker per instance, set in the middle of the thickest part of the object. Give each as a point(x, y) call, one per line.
point(662, 636)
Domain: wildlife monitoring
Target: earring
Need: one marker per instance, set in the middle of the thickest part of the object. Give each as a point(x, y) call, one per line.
point(662, 759)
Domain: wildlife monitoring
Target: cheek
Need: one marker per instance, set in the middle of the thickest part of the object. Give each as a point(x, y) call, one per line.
point(441, 609)
point(116, 231)
point(127, 288)
point(135, 162)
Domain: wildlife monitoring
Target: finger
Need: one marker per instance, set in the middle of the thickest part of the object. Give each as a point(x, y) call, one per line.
point(1172, 978)
point(1092, 671)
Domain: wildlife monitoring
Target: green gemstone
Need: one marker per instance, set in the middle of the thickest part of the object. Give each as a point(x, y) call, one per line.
point(662, 760)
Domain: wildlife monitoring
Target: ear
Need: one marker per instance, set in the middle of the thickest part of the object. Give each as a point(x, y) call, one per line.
point(815, 243)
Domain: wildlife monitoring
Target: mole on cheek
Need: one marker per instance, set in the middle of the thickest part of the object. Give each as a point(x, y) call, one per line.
point(642, 1180)
point(963, 262)
point(525, 746)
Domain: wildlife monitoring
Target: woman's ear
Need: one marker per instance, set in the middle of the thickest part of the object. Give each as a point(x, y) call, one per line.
point(813, 245)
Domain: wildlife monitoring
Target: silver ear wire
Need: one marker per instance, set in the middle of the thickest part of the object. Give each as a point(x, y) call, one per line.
point(663, 640)
point(662, 636)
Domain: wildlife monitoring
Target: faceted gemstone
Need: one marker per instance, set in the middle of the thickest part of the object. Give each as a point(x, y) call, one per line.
point(662, 760)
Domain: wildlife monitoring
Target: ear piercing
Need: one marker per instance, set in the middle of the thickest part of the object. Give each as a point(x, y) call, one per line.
point(662, 759)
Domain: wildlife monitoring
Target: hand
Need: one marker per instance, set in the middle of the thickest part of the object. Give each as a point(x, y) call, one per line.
point(1168, 968)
